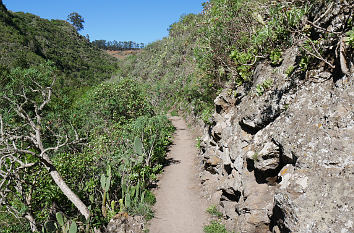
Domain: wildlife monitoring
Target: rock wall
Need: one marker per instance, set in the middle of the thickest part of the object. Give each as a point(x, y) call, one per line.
point(282, 159)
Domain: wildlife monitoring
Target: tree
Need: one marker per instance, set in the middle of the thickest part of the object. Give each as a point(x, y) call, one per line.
point(27, 139)
point(76, 20)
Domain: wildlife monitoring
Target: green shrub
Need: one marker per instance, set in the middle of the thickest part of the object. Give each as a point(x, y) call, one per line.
point(350, 38)
point(289, 70)
point(9, 224)
point(119, 102)
point(262, 87)
point(275, 57)
point(212, 210)
point(215, 227)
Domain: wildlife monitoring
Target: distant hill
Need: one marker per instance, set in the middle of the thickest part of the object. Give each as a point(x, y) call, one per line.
point(27, 39)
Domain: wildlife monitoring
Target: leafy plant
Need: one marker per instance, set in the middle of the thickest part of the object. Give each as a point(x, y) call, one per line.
point(105, 185)
point(262, 87)
point(289, 70)
point(206, 115)
point(255, 156)
point(174, 112)
point(212, 210)
point(276, 57)
point(215, 227)
point(304, 61)
point(350, 38)
point(198, 142)
point(66, 226)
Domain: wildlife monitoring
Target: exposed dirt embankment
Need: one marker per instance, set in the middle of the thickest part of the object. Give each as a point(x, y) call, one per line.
point(122, 54)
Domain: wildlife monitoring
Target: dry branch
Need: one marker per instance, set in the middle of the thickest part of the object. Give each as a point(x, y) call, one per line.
point(28, 139)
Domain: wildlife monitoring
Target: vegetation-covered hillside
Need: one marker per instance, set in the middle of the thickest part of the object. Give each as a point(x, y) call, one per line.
point(77, 144)
point(221, 47)
point(28, 40)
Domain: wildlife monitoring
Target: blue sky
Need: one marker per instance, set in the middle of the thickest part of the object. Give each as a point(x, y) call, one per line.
point(142, 21)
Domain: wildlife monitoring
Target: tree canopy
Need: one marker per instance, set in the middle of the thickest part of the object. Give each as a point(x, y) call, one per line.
point(76, 20)
point(117, 45)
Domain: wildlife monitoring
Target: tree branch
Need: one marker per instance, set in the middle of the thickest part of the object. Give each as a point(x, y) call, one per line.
point(11, 147)
point(343, 62)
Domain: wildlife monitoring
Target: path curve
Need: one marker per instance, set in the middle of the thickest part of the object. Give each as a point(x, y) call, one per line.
point(179, 206)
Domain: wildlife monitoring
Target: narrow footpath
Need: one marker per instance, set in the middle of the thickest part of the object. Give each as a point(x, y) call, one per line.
point(179, 207)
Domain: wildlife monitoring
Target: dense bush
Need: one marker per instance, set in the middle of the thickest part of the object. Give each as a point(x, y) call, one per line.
point(215, 227)
point(123, 141)
point(123, 134)
point(119, 101)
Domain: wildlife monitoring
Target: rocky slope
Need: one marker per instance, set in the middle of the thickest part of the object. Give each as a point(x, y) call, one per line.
point(279, 154)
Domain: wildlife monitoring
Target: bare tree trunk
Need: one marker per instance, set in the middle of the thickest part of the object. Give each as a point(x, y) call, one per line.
point(35, 140)
point(343, 62)
point(32, 222)
point(65, 188)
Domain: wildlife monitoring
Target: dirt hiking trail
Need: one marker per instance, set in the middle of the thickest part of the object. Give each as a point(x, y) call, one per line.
point(179, 207)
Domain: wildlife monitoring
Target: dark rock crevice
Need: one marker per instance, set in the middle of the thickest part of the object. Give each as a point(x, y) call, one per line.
point(269, 162)
point(230, 196)
point(277, 221)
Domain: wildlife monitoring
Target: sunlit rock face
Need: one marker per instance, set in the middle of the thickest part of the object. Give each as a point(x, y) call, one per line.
point(284, 159)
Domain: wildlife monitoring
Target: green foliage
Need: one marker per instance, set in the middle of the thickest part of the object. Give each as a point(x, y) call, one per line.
point(121, 157)
point(126, 140)
point(199, 140)
point(245, 31)
point(106, 180)
point(28, 40)
point(76, 20)
point(25, 80)
point(120, 102)
point(25, 86)
point(174, 112)
point(105, 185)
point(60, 219)
point(289, 70)
point(304, 61)
point(150, 198)
point(167, 66)
point(262, 87)
point(243, 61)
point(66, 226)
point(9, 224)
point(212, 210)
point(255, 156)
point(206, 114)
point(215, 227)
point(111, 118)
point(138, 146)
point(350, 38)
point(276, 57)
point(222, 45)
